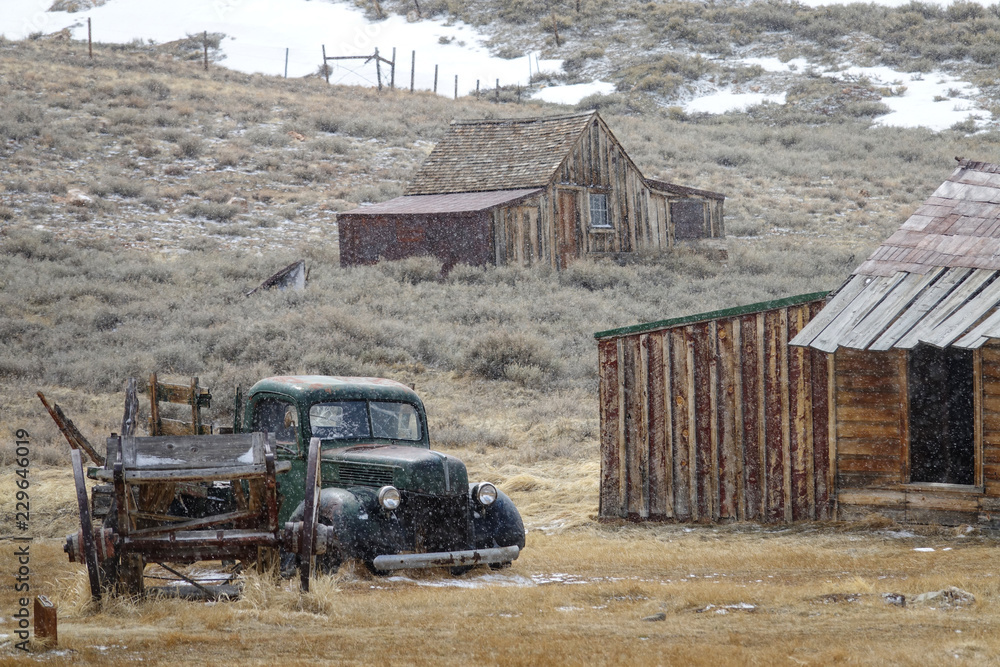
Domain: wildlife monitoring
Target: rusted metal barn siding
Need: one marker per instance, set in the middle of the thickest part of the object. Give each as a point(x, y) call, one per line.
point(452, 238)
point(715, 418)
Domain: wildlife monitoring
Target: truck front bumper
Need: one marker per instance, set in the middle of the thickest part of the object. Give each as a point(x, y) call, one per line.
point(447, 558)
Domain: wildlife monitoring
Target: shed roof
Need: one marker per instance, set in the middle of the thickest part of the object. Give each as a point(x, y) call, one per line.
point(460, 202)
point(503, 154)
point(933, 281)
point(674, 189)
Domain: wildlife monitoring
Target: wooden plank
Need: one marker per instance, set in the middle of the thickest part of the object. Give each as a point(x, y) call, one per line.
point(944, 309)
point(692, 420)
point(704, 457)
point(888, 465)
point(775, 410)
point(801, 442)
point(681, 390)
point(869, 414)
point(737, 419)
point(786, 415)
point(751, 375)
point(840, 301)
point(928, 300)
point(873, 497)
point(715, 469)
point(668, 425)
point(643, 444)
point(192, 475)
point(726, 407)
point(837, 331)
point(176, 427)
point(660, 501)
point(981, 333)
point(609, 389)
point(891, 307)
point(185, 452)
point(184, 394)
point(957, 324)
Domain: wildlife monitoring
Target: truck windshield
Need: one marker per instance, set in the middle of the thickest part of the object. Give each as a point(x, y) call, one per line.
point(342, 420)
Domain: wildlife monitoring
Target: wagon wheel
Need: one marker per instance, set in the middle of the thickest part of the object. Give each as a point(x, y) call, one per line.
point(87, 526)
point(307, 551)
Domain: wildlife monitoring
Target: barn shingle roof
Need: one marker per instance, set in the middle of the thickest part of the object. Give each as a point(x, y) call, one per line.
point(934, 281)
point(480, 155)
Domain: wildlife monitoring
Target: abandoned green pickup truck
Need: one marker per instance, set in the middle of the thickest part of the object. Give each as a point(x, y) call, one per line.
point(391, 501)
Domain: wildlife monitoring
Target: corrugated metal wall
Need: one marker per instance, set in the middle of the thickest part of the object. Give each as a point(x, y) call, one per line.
point(714, 418)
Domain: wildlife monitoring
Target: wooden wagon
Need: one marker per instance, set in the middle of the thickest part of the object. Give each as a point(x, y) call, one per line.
point(184, 499)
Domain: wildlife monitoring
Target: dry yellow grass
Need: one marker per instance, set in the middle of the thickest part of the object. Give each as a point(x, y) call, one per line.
point(724, 595)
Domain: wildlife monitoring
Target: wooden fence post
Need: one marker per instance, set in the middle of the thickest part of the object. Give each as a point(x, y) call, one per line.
point(477, 89)
point(456, 86)
point(392, 73)
point(497, 91)
point(204, 41)
point(378, 69)
point(413, 68)
point(286, 62)
point(90, 39)
point(326, 70)
point(435, 78)
point(555, 27)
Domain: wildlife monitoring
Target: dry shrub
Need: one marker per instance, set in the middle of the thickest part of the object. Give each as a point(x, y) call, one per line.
point(413, 270)
point(506, 354)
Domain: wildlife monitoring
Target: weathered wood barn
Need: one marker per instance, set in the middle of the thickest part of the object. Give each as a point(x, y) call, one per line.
point(529, 191)
point(897, 377)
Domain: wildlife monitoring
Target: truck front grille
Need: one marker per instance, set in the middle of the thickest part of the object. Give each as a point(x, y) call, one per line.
point(352, 474)
point(438, 523)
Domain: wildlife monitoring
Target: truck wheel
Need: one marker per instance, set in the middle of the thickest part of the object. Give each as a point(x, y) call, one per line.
point(370, 564)
point(459, 570)
point(499, 566)
point(329, 562)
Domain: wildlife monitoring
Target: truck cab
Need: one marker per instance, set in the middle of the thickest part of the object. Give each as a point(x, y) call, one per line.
point(392, 501)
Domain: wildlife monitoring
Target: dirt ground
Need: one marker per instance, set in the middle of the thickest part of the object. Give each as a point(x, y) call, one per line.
point(591, 594)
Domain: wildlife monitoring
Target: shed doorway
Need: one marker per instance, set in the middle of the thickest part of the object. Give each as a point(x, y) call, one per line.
point(942, 415)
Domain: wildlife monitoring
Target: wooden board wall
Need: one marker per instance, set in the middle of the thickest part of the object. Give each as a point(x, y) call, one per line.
point(715, 421)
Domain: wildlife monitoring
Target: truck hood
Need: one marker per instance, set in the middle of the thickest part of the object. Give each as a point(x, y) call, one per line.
point(414, 469)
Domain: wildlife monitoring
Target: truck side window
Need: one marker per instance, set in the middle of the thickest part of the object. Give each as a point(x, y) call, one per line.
point(279, 419)
point(396, 421)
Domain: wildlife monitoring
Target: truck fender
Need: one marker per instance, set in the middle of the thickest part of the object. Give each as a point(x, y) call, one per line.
point(353, 515)
point(498, 525)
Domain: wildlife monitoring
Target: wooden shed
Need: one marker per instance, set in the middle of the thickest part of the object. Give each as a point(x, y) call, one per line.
point(886, 399)
point(529, 191)
point(915, 337)
point(714, 417)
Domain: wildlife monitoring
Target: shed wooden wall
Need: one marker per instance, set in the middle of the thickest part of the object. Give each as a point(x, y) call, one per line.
point(526, 233)
point(716, 420)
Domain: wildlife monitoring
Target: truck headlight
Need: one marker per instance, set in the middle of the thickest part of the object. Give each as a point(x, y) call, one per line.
point(389, 498)
point(485, 494)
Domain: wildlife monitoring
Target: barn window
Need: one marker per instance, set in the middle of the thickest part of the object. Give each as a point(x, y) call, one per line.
point(942, 415)
point(688, 216)
point(599, 211)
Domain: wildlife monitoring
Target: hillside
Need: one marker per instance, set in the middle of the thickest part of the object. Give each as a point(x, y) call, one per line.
point(141, 195)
